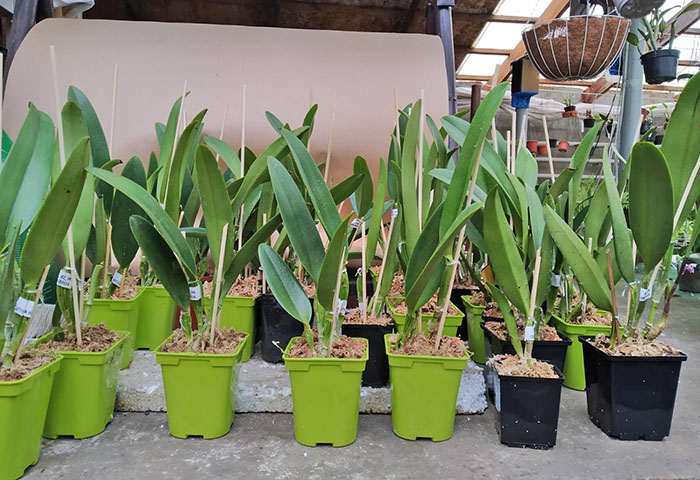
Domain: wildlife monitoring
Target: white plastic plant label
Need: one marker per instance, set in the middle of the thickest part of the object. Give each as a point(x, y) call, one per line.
point(63, 279)
point(342, 306)
point(644, 294)
point(529, 333)
point(24, 307)
point(556, 280)
point(394, 212)
point(117, 278)
point(355, 223)
point(195, 293)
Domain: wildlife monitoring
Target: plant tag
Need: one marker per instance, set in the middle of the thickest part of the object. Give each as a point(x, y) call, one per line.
point(24, 307)
point(195, 293)
point(556, 280)
point(117, 279)
point(355, 223)
point(394, 212)
point(529, 333)
point(644, 294)
point(63, 279)
point(342, 306)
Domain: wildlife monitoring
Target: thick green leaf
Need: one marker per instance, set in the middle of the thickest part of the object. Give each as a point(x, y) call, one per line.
point(25, 176)
point(456, 128)
point(621, 237)
point(481, 124)
point(422, 265)
point(227, 154)
point(165, 225)
point(315, 186)
point(331, 266)
point(409, 196)
point(345, 188)
point(579, 259)
point(124, 244)
point(578, 162)
point(300, 226)
point(162, 260)
point(364, 193)
point(534, 205)
point(681, 144)
point(55, 215)
point(504, 257)
point(284, 285)
point(650, 203)
point(215, 203)
point(562, 182)
point(526, 167)
point(375, 222)
point(595, 217)
point(166, 139)
point(508, 318)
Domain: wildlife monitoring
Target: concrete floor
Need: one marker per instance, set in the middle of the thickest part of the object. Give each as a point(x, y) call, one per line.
point(137, 445)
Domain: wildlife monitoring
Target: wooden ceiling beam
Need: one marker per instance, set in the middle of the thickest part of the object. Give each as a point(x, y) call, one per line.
point(487, 17)
point(482, 51)
point(553, 10)
point(597, 88)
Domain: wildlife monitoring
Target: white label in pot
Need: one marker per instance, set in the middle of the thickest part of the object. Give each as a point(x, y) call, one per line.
point(529, 333)
point(117, 279)
point(644, 294)
point(556, 280)
point(195, 293)
point(394, 212)
point(63, 279)
point(24, 307)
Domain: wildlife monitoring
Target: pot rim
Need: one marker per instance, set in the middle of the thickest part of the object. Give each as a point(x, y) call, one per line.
point(585, 339)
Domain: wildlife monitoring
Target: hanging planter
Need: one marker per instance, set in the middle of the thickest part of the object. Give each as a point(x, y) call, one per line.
point(660, 66)
point(575, 48)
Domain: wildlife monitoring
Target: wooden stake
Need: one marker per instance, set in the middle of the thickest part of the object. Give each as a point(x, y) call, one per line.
point(213, 324)
point(549, 151)
point(533, 298)
point(108, 259)
point(240, 226)
point(336, 294)
point(37, 295)
point(327, 167)
point(509, 151)
point(62, 156)
point(396, 116)
point(363, 310)
point(494, 137)
point(513, 133)
point(381, 269)
point(114, 108)
point(177, 130)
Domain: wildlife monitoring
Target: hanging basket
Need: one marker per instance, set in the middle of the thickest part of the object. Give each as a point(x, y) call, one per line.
point(575, 48)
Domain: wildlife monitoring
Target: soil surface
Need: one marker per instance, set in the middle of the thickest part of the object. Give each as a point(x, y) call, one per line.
point(30, 361)
point(421, 345)
point(128, 289)
point(343, 347)
point(242, 287)
point(428, 309)
point(501, 331)
point(354, 317)
point(225, 342)
point(309, 289)
point(96, 338)
point(636, 348)
point(492, 309)
point(397, 288)
point(593, 317)
point(512, 365)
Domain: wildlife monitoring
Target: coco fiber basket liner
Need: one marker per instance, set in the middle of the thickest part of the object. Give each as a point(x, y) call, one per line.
point(575, 48)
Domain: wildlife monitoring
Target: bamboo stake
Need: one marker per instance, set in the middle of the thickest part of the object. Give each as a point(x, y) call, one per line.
point(363, 310)
point(62, 156)
point(513, 133)
point(240, 225)
point(396, 116)
point(509, 150)
point(549, 152)
point(381, 269)
point(327, 166)
point(629, 297)
point(533, 299)
point(494, 137)
point(114, 107)
point(616, 321)
point(584, 299)
point(217, 288)
point(336, 294)
point(108, 259)
point(37, 295)
point(419, 170)
point(458, 249)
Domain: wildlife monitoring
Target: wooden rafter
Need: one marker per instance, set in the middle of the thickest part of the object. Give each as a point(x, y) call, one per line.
point(483, 51)
point(553, 10)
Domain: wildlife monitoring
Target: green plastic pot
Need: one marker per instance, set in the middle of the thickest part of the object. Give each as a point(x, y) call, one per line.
point(574, 371)
point(424, 393)
point(325, 397)
point(452, 322)
point(23, 405)
point(239, 313)
point(119, 316)
point(84, 391)
point(155, 318)
point(476, 334)
point(200, 391)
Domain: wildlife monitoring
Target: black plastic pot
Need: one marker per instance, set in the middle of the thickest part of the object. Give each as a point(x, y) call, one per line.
point(570, 108)
point(353, 300)
point(376, 372)
point(528, 408)
point(658, 139)
point(456, 298)
point(553, 142)
point(660, 66)
point(630, 398)
point(588, 122)
point(551, 351)
point(276, 325)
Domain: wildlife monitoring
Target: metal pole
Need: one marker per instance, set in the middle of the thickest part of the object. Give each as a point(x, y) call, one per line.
point(444, 30)
point(631, 96)
point(520, 117)
point(475, 100)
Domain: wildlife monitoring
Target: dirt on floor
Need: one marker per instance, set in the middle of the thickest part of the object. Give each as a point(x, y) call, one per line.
point(95, 338)
point(225, 342)
point(636, 347)
point(452, 347)
point(512, 365)
point(428, 309)
point(25, 365)
point(354, 317)
point(242, 287)
point(343, 347)
point(500, 329)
